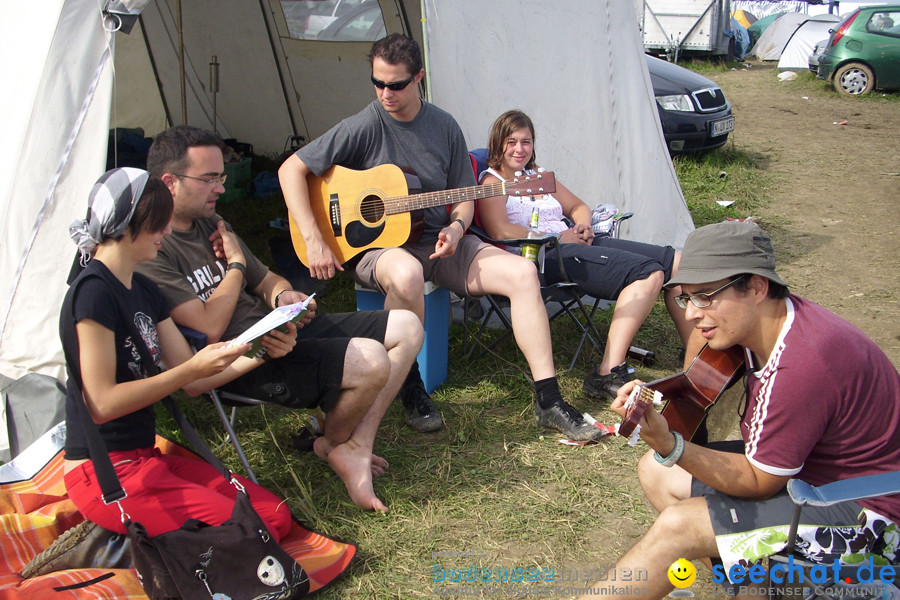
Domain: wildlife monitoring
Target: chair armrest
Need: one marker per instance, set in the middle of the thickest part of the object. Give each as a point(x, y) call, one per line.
point(855, 488)
point(197, 339)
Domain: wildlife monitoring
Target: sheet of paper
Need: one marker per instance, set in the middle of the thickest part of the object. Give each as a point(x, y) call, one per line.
point(274, 319)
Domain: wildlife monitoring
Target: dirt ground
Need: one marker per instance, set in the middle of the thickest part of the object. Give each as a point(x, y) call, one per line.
point(836, 193)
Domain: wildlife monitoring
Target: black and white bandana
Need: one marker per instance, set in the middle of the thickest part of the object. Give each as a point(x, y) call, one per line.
point(111, 206)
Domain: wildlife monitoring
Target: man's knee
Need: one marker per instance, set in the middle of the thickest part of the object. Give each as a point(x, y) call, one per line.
point(687, 526)
point(401, 275)
point(403, 326)
point(663, 486)
point(366, 363)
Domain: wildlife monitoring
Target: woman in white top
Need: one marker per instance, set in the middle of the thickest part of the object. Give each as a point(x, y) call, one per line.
point(630, 273)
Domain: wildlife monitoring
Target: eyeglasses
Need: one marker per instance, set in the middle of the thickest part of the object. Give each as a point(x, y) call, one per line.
point(218, 180)
point(394, 87)
point(703, 300)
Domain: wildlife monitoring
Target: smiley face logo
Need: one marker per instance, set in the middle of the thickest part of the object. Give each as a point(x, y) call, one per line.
point(682, 573)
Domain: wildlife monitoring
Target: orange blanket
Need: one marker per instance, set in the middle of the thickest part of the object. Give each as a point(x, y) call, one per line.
point(34, 512)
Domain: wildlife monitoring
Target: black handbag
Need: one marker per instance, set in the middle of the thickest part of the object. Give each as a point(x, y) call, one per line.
point(236, 560)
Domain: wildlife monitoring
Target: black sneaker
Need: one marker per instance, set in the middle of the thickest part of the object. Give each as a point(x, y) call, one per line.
point(561, 416)
point(418, 409)
point(607, 386)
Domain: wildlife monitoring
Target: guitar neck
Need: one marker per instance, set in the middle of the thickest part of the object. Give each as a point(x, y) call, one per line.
point(402, 204)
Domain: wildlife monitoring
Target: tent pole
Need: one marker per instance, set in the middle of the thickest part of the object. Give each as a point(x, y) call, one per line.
point(425, 56)
point(181, 66)
point(284, 76)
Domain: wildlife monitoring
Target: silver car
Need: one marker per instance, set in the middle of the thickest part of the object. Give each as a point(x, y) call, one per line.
point(817, 51)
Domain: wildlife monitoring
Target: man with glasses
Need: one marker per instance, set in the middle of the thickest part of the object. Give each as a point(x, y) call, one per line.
point(402, 129)
point(350, 365)
point(822, 404)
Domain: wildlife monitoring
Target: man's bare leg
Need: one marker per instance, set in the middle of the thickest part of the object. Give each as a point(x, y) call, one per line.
point(402, 340)
point(366, 371)
point(683, 530)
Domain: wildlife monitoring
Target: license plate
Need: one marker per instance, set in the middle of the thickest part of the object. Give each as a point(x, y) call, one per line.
point(722, 126)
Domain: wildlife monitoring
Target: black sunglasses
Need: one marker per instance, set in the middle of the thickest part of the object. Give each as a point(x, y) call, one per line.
point(394, 87)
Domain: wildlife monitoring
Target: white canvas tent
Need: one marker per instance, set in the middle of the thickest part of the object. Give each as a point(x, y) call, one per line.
point(773, 40)
point(593, 96)
point(591, 101)
point(799, 46)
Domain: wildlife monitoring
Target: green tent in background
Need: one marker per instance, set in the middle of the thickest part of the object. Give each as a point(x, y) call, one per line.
point(757, 28)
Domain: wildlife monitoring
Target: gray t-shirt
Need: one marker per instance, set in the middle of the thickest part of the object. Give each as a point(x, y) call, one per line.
point(432, 145)
point(186, 268)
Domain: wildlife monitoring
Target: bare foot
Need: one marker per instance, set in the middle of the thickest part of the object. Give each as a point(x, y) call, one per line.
point(379, 465)
point(353, 464)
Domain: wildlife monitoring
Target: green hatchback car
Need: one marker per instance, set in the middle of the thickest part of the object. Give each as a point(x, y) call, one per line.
point(863, 52)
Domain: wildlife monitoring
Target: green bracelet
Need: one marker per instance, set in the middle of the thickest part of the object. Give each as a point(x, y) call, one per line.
point(675, 456)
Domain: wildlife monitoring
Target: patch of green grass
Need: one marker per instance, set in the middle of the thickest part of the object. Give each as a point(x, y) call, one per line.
point(489, 482)
point(708, 67)
point(725, 175)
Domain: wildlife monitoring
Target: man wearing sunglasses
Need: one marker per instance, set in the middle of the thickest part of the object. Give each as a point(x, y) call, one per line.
point(400, 128)
point(349, 365)
point(822, 403)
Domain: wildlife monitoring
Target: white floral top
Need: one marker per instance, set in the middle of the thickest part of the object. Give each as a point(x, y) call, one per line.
point(518, 209)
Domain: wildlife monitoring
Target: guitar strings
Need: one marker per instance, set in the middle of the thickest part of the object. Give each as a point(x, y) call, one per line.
point(401, 204)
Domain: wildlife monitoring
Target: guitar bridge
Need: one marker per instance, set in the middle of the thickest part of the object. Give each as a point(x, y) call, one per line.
point(334, 216)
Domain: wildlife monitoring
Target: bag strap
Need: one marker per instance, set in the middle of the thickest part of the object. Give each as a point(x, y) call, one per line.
point(103, 467)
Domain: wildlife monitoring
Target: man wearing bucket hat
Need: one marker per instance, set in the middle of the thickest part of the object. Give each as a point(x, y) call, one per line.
point(822, 403)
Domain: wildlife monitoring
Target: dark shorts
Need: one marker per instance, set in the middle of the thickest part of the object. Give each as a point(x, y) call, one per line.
point(748, 530)
point(608, 266)
point(312, 373)
point(449, 273)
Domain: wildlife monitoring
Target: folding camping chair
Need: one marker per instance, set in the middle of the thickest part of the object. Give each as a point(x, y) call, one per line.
point(198, 340)
point(804, 494)
point(569, 295)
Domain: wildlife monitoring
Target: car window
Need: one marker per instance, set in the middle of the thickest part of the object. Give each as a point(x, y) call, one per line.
point(884, 23)
point(364, 24)
point(306, 19)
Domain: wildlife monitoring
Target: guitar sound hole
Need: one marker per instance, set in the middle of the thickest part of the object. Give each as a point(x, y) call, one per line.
point(371, 209)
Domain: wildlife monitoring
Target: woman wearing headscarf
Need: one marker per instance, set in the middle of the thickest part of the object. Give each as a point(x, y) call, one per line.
point(128, 216)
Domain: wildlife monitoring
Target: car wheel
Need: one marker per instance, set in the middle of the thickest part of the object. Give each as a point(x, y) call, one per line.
point(854, 79)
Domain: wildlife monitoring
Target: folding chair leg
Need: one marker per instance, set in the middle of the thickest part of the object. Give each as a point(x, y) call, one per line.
point(589, 331)
point(493, 309)
point(229, 428)
point(584, 336)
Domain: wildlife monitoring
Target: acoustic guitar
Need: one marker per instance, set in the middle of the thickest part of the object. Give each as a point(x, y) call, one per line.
point(689, 395)
point(361, 210)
